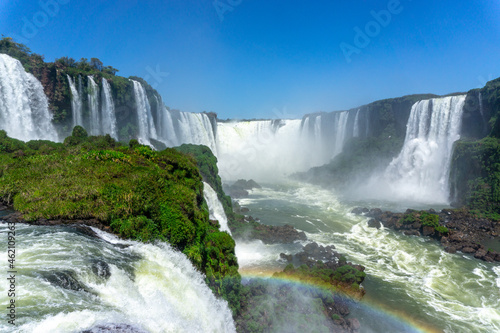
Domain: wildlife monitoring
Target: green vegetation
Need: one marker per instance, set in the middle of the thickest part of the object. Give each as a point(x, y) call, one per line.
point(344, 278)
point(409, 218)
point(139, 193)
point(475, 174)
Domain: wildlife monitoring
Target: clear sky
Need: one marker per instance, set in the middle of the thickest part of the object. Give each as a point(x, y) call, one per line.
point(271, 59)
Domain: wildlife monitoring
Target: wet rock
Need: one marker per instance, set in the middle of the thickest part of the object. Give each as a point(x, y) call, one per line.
point(64, 279)
point(468, 250)
point(375, 212)
point(360, 210)
point(480, 254)
point(412, 233)
point(353, 324)
point(278, 234)
point(101, 269)
point(428, 231)
point(115, 328)
point(244, 210)
point(374, 224)
point(450, 249)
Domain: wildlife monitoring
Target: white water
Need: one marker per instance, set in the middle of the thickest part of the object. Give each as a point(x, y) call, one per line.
point(76, 101)
point(24, 108)
point(145, 121)
point(411, 276)
point(420, 172)
point(216, 210)
point(152, 288)
point(108, 111)
point(93, 103)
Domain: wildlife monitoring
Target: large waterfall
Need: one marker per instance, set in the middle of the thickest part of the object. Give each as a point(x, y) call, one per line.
point(275, 148)
point(145, 121)
point(76, 101)
point(108, 111)
point(93, 93)
point(24, 108)
point(420, 172)
point(215, 207)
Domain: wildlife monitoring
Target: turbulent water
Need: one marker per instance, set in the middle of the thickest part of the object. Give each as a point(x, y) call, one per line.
point(411, 278)
point(215, 207)
point(24, 108)
point(108, 111)
point(62, 285)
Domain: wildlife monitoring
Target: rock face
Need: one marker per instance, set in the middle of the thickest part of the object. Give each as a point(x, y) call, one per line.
point(463, 231)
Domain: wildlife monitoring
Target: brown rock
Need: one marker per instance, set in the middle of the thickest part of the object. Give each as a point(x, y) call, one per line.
point(468, 250)
point(480, 254)
point(428, 231)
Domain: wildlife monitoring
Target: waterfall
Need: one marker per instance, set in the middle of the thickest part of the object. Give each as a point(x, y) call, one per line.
point(355, 132)
point(341, 132)
point(93, 103)
point(73, 283)
point(145, 121)
point(108, 111)
point(215, 207)
point(196, 128)
point(421, 170)
point(167, 127)
point(24, 108)
point(76, 101)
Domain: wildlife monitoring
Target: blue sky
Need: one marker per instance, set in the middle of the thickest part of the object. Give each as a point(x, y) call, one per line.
point(270, 59)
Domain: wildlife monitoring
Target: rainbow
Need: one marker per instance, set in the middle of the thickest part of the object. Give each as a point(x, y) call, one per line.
point(370, 307)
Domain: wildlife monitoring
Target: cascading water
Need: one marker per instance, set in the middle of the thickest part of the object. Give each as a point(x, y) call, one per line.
point(24, 108)
point(420, 172)
point(71, 282)
point(76, 101)
point(108, 111)
point(93, 103)
point(215, 207)
point(165, 124)
point(195, 128)
point(355, 132)
point(145, 121)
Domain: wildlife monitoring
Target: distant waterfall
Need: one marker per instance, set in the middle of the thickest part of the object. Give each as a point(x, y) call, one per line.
point(76, 101)
point(421, 170)
point(24, 108)
point(93, 102)
point(108, 111)
point(215, 207)
point(145, 121)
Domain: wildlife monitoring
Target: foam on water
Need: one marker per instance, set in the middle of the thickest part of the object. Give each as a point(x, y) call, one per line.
point(151, 288)
point(410, 274)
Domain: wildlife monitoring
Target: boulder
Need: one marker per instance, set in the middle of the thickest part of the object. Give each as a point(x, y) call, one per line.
point(374, 224)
